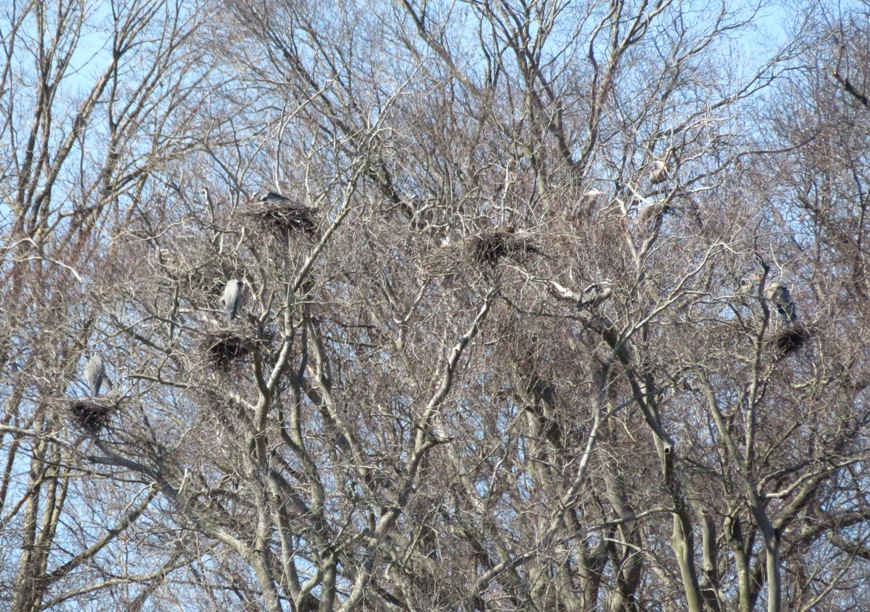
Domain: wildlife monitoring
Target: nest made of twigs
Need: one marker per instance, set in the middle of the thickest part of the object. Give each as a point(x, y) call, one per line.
point(92, 415)
point(283, 217)
point(791, 339)
point(227, 347)
point(444, 261)
point(490, 246)
point(199, 275)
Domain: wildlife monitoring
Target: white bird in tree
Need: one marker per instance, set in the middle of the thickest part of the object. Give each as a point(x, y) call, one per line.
point(95, 374)
point(231, 298)
point(779, 295)
point(597, 293)
point(590, 201)
point(659, 173)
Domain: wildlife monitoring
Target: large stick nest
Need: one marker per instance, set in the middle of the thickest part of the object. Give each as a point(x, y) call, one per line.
point(791, 339)
point(283, 217)
point(225, 348)
point(92, 415)
point(490, 246)
point(442, 262)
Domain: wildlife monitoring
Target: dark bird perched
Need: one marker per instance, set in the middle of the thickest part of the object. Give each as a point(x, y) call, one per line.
point(596, 294)
point(778, 293)
point(231, 298)
point(95, 374)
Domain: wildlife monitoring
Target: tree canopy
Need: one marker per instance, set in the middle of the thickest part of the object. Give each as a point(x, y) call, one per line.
point(476, 305)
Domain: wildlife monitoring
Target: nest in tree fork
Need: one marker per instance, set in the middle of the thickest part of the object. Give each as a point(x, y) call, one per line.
point(791, 339)
point(92, 415)
point(227, 347)
point(488, 247)
point(441, 262)
point(283, 217)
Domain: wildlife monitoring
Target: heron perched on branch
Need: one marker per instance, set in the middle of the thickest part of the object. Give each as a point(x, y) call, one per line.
point(660, 171)
point(596, 294)
point(779, 295)
point(95, 374)
point(591, 200)
point(231, 298)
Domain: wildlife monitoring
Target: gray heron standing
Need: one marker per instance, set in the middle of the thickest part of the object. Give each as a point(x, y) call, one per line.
point(660, 171)
point(95, 374)
point(231, 298)
point(779, 295)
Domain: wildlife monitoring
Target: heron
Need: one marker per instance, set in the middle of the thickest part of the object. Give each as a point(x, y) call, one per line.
point(596, 294)
point(269, 198)
point(231, 298)
point(659, 173)
point(95, 373)
point(779, 294)
point(590, 199)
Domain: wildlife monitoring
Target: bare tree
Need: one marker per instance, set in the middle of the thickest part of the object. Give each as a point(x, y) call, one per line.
point(416, 403)
point(94, 102)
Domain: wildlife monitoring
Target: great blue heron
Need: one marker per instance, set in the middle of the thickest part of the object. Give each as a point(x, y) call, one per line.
point(231, 298)
point(269, 198)
point(589, 200)
point(596, 294)
point(95, 373)
point(779, 295)
point(659, 173)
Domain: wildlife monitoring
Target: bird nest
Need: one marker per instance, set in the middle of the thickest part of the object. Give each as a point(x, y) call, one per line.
point(92, 415)
point(282, 217)
point(201, 276)
point(225, 348)
point(441, 262)
point(488, 247)
point(791, 339)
